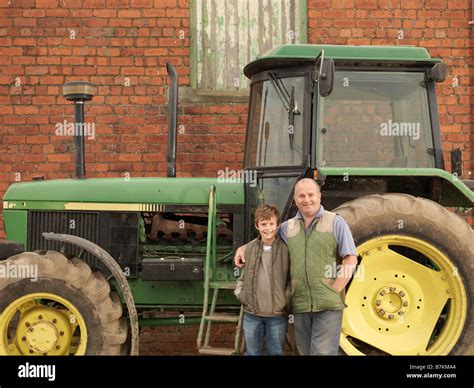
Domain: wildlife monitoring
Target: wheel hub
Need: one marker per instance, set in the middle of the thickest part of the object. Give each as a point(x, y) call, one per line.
point(391, 302)
point(44, 330)
point(42, 324)
point(42, 337)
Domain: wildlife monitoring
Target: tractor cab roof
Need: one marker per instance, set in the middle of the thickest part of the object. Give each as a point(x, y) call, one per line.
point(289, 55)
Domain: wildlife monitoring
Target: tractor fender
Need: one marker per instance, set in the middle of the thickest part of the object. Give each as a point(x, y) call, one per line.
point(117, 273)
point(9, 248)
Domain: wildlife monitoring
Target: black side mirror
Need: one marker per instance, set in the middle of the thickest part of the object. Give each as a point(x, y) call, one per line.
point(326, 77)
point(456, 162)
point(438, 72)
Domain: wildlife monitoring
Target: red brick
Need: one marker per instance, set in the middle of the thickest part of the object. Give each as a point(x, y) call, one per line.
point(129, 14)
point(60, 158)
point(141, 3)
point(33, 12)
point(165, 3)
point(104, 13)
point(46, 3)
point(26, 110)
point(37, 139)
point(93, 4)
point(369, 4)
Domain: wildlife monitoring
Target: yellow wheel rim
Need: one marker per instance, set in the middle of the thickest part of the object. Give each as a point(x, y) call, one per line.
point(42, 324)
point(406, 298)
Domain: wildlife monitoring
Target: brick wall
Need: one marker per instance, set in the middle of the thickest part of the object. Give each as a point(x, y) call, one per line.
point(123, 46)
point(181, 339)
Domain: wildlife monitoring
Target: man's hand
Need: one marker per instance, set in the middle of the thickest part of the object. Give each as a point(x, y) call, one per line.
point(239, 259)
point(349, 264)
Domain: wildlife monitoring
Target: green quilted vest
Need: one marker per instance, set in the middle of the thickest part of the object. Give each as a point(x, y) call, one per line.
point(311, 256)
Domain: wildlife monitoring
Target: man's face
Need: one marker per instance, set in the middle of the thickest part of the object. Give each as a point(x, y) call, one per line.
point(307, 199)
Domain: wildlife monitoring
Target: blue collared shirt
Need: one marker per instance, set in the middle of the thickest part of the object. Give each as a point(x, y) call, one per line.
point(342, 233)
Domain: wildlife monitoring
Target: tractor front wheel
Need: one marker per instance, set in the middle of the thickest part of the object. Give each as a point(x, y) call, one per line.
point(411, 292)
point(54, 306)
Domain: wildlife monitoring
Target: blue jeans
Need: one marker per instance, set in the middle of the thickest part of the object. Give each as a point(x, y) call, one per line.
point(318, 333)
point(273, 329)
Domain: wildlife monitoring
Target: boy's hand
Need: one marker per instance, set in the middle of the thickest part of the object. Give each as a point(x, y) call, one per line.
point(239, 259)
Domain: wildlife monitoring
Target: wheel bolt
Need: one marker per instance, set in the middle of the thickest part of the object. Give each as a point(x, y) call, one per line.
point(27, 324)
point(378, 302)
point(393, 289)
point(401, 293)
point(23, 338)
point(401, 313)
point(40, 317)
point(55, 320)
point(61, 333)
point(382, 292)
point(390, 316)
point(405, 303)
point(58, 347)
point(382, 311)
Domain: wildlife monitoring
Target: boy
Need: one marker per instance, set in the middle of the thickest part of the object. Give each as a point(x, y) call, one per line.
point(263, 288)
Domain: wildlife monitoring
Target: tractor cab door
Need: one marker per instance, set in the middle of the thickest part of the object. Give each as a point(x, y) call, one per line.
point(278, 136)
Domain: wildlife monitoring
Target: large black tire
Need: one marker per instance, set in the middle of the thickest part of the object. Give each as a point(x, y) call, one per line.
point(378, 215)
point(74, 281)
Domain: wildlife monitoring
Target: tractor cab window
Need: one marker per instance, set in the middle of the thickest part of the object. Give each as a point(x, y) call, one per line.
point(270, 190)
point(375, 119)
point(275, 129)
point(275, 191)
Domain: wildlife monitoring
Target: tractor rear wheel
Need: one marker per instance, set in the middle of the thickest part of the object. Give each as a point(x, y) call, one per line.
point(411, 293)
point(58, 307)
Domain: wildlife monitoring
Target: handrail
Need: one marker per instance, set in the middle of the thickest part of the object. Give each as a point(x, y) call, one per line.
point(211, 238)
point(210, 255)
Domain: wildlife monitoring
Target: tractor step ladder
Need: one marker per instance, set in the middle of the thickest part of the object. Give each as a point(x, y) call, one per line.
point(209, 316)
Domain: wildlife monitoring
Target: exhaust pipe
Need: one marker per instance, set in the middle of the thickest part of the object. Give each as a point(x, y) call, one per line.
point(172, 121)
point(79, 91)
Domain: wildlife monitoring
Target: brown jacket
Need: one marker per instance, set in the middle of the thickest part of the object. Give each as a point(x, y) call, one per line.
point(279, 277)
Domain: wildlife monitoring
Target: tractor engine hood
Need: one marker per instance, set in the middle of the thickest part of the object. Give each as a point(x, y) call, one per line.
point(133, 194)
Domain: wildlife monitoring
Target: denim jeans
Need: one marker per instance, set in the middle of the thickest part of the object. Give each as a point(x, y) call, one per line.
point(318, 333)
point(273, 329)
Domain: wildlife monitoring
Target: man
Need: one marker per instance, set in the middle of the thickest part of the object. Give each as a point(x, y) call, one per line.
point(317, 240)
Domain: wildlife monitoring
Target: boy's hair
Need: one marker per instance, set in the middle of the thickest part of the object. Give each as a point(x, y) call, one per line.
point(265, 212)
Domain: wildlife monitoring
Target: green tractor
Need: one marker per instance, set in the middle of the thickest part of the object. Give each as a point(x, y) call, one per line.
point(88, 261)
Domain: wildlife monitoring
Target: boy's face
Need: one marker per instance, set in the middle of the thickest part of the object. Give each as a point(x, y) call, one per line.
point(268, 228)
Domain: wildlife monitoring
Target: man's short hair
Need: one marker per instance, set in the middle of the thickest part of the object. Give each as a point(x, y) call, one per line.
point(318, 189)
point(266, 212)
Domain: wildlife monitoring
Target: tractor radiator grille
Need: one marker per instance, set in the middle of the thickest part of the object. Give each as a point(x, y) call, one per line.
point(117, 233)
point(81, 224)
point(119, 237)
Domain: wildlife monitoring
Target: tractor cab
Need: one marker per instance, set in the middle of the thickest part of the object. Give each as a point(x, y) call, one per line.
point(318, 110)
